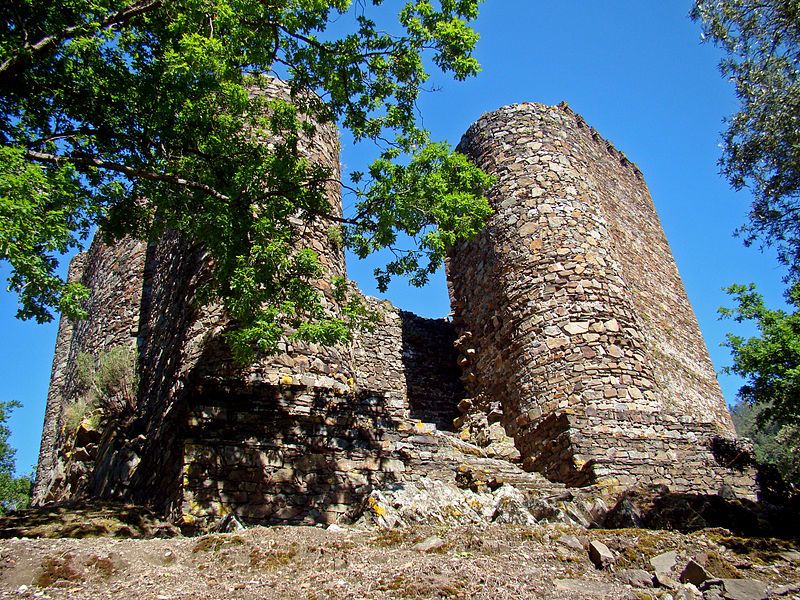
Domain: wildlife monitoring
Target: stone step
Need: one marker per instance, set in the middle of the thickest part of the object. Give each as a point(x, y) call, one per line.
point(443, 455)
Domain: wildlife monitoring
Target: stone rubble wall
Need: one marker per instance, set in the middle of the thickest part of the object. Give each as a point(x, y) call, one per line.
point(411, 361)
point(114, 274)
point(296, 454)
point(183, 350)
point(52, 413)
point(571, 314)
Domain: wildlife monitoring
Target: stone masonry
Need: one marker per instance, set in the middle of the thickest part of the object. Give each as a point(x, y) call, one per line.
point(573, 321)
point(573, 359)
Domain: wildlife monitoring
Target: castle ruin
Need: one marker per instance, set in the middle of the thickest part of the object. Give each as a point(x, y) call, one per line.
point(573, 359)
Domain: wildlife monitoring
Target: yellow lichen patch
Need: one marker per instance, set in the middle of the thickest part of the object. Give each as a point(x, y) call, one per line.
point(609, 484)
point(376, 507)
point(286, 380)
point(421, 427)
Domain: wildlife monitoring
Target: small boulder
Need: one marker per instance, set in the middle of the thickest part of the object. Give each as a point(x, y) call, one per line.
point(791, 556)
point(689, 591)
point(662, 579)
point(735, 589)
point(638, 578)
point(694, 573)
point(786, 590)
point(600, 554)
point(581, 588)
point(663, 563)
point(570, 541)
point(429, 544)
point(744, 589)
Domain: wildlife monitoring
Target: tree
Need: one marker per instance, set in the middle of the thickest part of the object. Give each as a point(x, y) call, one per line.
point(761, 150)
point(136, 116)
point(15, 492)
point(774, 444)
point(770, 361)
point(761, 147)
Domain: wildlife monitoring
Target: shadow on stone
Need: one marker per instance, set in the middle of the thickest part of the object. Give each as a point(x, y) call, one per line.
point(431, 371)
point(655, 507)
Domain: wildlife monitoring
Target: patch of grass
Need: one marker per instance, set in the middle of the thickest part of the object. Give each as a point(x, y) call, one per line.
point(468, 541)
point(432, 586)
point(79, 409)
point(634, 547)
point(344, 546)
point(763, 551)
point(269, 559)
point(717, 566)
point(391, 538)
point(534, 534)
point(59, 569)
point(215, 542)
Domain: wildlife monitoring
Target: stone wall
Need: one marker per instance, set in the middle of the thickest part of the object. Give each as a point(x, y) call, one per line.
point(54, 406)
point(574, 324)
point(114, 275)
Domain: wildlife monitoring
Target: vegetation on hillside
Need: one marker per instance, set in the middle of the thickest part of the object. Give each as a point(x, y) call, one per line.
point(775, 444)
point(15, 492)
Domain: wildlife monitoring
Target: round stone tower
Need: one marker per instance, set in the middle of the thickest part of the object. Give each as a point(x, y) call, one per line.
point(576, 331)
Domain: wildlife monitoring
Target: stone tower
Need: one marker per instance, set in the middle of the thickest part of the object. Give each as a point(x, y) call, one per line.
point(575, 327)
point(581, 357)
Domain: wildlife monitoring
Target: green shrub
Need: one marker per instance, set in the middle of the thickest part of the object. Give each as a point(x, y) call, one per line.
point(775, 444)
point(106, 387)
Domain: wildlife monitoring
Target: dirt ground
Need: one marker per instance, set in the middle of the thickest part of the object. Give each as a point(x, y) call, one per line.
point(497, 561)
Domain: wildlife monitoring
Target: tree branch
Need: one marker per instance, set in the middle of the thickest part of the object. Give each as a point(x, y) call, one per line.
point(12, 65)
point(91, 161)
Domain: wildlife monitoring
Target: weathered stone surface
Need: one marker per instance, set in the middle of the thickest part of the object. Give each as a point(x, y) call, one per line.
point(737, 589)
point(636, 578)
point(600, 554)
point(662, 579)
point(786, 590)
point(573, 352)
point(585, 587)
point(693, 573)
point(663, 563)
point(570, 541)
point(577, 318)
point(430, 544)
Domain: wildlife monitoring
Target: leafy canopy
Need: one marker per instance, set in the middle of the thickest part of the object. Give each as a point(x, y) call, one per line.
point(761, 147)
point(140, 117)
point(770, 361)
point(761, 150)
point(774, 444)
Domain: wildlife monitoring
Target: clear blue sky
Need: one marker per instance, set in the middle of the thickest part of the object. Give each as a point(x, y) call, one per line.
point(635, 71)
